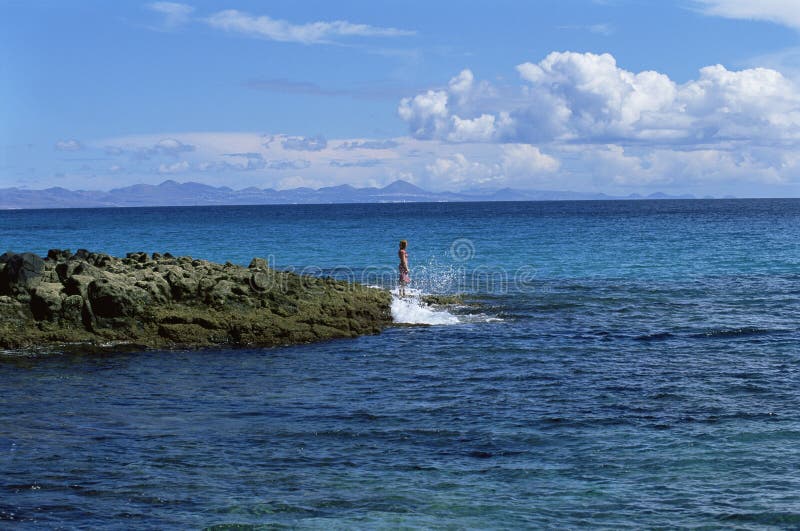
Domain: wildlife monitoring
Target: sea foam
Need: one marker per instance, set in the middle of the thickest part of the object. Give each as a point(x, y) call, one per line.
point(411, 310)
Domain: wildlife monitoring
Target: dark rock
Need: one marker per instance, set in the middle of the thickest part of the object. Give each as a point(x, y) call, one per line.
point(100, 260)
point(72, 310)
point(21, 272)
point(58, 254)
point(80, 254)
point(78, 285)
point(137, 257)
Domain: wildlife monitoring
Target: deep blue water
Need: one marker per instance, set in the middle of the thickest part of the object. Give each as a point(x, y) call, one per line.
point(631, 364)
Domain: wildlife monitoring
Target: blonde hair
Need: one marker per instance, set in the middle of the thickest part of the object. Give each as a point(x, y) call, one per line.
point(403, 244)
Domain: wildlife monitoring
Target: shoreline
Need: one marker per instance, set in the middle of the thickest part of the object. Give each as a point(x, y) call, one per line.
point(158, 301)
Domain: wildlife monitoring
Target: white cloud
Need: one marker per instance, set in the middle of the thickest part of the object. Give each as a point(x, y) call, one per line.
point(585, 97)
point(426, 113)
point(175, 14)
point(171, 146)
point(480, 129)
point(707, 168)
point(737, 167)
point(68, 145)
point(457, 172)
point(783, 12)
point(525, 159)
point(283, 31)
point(305, 143)
point(461, 85)
point(514, 164)
point(176, 167)
point(151, 148)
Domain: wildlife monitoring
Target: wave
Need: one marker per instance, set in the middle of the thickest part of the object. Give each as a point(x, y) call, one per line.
point(411, 310)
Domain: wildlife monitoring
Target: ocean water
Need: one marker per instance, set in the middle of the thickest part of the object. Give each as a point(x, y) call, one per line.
point(619, 364)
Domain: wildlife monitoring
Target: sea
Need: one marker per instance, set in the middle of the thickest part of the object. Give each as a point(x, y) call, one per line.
point(613, 364)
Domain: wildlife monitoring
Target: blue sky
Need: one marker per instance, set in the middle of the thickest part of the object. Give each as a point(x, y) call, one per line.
point(615, 96)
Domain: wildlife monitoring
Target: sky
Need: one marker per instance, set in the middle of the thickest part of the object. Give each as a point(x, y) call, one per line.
point(612, 96)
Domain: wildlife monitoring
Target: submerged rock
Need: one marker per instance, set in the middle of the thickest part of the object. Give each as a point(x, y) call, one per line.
point(161, 301)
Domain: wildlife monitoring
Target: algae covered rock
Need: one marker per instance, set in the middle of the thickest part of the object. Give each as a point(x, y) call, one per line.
point(162, 301)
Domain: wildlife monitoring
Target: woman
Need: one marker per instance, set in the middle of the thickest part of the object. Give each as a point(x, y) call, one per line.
point(404, 273)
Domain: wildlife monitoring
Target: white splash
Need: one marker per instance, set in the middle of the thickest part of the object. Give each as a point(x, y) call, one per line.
point(410, 310)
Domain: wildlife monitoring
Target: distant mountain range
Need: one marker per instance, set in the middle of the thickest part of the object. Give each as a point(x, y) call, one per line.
point(171, 193)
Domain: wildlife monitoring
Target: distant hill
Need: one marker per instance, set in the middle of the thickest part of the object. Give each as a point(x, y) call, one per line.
point(171, 193)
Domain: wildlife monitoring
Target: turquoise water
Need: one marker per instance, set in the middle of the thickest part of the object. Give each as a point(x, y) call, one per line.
point(631, 364)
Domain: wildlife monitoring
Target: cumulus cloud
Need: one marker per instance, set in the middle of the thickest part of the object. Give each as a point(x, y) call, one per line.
point(520, 164)
point(458, 171)
point(427, 114)
point(175, 14)
point(632, 167)
point(68, 145)
point(524, 159)
point(283, 31)
point(586, 97)
point(784, 12)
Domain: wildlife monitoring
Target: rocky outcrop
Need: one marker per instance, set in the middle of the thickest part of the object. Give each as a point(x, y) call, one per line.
point(161, 301)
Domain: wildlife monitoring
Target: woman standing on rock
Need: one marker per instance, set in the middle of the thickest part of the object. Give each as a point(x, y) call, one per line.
point(405, 278)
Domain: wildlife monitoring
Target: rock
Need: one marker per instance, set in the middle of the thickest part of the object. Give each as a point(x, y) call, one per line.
point(111, 298)
point(58, 254)
point(181, 287)
point(78, 285)
point(72, 310)
point(21, 272)
point(158, 289)
point(46, 301)
point(167, 302)
point(258, 263)
point(443, 300)
point(100, 260)
point(137, 257)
